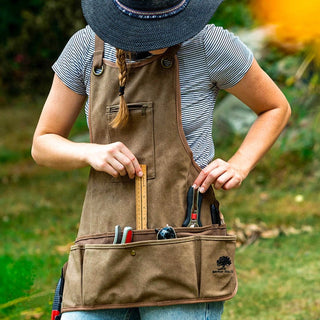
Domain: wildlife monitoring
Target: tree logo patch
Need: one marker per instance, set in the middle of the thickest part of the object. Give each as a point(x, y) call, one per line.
point(223, 263)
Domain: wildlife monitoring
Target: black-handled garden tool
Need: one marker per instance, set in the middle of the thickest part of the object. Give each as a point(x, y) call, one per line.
point(215, 215)
point(194, 199)
point(57, 301)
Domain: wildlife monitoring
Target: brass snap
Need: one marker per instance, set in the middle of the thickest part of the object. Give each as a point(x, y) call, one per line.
point(133, 253)
point(166, 63)
point(98, 71)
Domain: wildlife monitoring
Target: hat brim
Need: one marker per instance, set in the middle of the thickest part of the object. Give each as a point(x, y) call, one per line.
point(133, 34)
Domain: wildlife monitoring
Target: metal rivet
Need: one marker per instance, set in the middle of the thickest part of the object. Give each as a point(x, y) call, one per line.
point(98, 71)
point(166, 63)
point(133, 253)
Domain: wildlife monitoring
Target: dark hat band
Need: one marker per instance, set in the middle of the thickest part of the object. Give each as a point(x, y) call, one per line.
point(164, 13)
point(144, 25)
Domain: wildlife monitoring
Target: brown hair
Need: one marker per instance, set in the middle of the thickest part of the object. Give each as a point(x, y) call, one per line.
point(122, 116)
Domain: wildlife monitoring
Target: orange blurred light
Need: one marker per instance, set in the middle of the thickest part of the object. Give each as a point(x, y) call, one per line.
point(295, 21)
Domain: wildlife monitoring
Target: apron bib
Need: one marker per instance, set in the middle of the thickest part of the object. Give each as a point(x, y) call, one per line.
point(198, 265)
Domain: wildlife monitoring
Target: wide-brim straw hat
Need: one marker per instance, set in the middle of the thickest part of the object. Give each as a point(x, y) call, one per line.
point(144, 25)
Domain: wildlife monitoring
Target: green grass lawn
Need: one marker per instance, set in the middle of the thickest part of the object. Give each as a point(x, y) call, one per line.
point(40, 208)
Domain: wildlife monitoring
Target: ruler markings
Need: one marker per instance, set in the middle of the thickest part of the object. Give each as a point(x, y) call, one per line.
point(141, 199)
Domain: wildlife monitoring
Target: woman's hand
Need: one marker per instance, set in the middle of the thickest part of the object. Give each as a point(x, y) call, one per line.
point(221, 174)
point(115, 159)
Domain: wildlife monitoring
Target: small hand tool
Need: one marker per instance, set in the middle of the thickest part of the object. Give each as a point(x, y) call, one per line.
point(166, 233)
point(215, 215)
point(117, 234)
point(126, 235)
point(57, 302)
point(194, 199)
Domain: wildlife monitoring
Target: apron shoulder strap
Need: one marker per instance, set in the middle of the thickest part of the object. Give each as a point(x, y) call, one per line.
point(98, 53)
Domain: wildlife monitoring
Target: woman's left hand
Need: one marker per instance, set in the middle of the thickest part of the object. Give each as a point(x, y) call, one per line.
point(221, 174)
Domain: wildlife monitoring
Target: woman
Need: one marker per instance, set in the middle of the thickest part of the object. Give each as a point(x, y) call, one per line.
point(167, 66)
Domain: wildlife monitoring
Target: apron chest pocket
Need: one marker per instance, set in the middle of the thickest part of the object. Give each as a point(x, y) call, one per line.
point(153, 272)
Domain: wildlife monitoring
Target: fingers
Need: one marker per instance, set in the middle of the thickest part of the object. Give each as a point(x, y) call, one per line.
point(110, 170)
point(207, 174)
point(115, 159)
point(123, 161)
point(130, 162)
point(219, 173)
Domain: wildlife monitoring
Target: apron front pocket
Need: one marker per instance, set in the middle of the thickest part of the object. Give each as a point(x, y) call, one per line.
point(72, 293)
point(190, 269)
point(148, 272)
point(218, 274)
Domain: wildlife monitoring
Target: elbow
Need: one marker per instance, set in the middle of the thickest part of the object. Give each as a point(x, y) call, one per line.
point(287, 112)
point(35, 154)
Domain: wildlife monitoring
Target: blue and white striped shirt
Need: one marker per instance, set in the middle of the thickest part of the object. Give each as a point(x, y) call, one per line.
point(212, 60)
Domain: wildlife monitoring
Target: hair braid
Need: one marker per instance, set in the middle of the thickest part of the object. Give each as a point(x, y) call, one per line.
point(122, 116)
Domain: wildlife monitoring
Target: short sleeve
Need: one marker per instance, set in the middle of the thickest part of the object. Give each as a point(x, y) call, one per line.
point(70, 66)
point(228, 58)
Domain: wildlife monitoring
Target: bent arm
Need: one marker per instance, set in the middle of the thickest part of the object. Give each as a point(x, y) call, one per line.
point(261, 94)
point(52, 148)
point(50, 145)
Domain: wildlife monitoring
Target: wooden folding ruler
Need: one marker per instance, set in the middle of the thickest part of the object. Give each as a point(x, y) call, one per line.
point(141, 199)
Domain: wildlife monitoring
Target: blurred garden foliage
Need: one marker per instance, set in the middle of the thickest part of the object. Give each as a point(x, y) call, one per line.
point(292, 60)
point(33, 34)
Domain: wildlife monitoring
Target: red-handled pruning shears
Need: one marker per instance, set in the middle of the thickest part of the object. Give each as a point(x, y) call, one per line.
point(126, 235)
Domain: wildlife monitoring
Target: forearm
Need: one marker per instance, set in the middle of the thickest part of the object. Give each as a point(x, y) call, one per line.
point(261, 136)
point(54, 151)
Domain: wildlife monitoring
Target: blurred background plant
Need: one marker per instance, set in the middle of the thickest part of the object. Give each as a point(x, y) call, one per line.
point(33, 34)
point(285, 38)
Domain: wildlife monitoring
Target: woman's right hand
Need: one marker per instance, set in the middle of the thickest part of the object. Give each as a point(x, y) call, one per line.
point(114, 158)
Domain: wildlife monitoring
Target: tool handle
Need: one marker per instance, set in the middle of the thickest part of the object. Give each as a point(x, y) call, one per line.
point(127, 235)
point(57, 300)
point(215, 215)
point(117, 232)
point(190, 205)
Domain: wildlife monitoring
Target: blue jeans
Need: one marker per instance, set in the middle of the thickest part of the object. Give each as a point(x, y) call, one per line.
point(197, 311)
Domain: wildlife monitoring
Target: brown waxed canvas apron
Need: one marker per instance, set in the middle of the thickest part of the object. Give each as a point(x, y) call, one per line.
point(147, 271)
